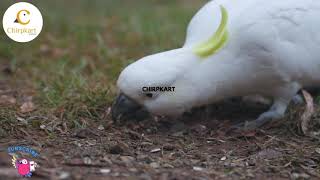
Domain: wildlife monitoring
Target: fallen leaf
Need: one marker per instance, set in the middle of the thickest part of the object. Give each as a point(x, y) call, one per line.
point(27, 107)
point(309, 111)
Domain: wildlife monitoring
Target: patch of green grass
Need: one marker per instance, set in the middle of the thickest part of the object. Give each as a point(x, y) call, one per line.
point(7, 120)
point(71, 95)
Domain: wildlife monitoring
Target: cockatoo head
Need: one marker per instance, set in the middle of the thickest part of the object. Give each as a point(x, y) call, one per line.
point(164, 70)
point(159, 70)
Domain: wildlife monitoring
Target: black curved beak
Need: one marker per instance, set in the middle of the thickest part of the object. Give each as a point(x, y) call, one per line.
point(124, 108)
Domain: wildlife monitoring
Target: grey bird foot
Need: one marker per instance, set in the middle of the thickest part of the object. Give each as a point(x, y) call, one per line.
point(276, 112)
point(284, 95)
point(262, 120)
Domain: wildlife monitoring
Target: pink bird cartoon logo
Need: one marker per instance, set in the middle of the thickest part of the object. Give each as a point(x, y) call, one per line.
point(24, 167)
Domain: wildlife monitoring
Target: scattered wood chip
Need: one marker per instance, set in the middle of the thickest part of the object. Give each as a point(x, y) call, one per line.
point(87, 160)
point(127, 159)
point(317, 150)
point(300, 176)
point(168, 166)
point(196, 168)
point(307, 115)
point(84, 162)
point(155, 150)
point(23, 120)
point(27, 107)
point(215, 139)
point(43, 126)
point(154, 165)
point(223, 158)
point(105, 171)
point(101, 128)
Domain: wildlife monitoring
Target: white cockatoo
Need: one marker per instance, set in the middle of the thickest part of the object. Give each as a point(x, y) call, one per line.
point(233, 49)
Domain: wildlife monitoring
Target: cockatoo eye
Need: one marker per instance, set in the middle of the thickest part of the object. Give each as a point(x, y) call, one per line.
point(149, 95)
point(24, 161)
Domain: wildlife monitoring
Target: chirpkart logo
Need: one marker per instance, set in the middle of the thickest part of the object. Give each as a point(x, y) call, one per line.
point(23, 17)
point(22, 22)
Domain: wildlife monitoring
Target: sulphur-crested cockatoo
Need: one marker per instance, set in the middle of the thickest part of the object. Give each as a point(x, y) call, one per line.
point(233, 48)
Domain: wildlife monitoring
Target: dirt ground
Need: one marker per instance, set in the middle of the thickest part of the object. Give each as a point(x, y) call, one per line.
point(198, 146)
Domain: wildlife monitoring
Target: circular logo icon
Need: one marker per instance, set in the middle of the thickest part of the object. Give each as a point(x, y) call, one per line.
point(22, 22)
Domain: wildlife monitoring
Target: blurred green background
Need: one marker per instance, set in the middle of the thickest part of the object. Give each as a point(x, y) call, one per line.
point(74, 63)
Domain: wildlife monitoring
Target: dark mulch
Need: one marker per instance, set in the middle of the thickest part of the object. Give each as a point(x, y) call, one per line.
point(198, 147)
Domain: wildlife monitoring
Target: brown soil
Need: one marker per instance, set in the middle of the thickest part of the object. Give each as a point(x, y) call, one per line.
point(201, 146)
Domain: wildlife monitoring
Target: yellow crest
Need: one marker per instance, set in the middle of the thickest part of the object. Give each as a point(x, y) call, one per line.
point(217, 41)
